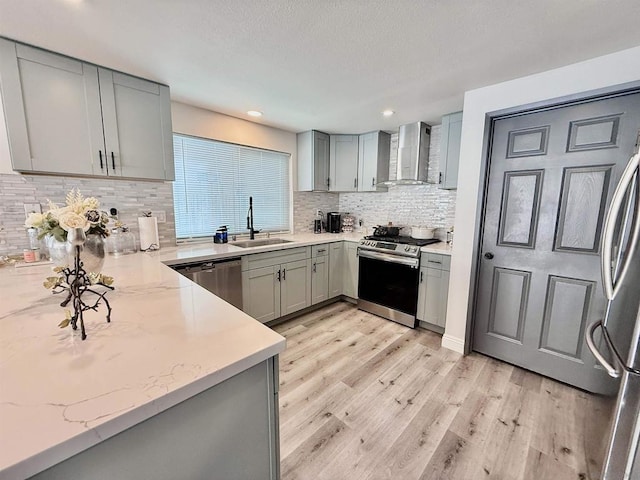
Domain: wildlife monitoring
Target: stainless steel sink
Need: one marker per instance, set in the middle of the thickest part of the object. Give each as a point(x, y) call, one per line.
point(259, 242)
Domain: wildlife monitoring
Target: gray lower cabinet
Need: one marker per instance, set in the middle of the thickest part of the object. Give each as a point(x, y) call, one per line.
point(350, 270)
point(451, 134)
point(433, 290)
point(336, 267)
point(230, 431)
point(275, 284)
point(319, 273)
point(66, 116)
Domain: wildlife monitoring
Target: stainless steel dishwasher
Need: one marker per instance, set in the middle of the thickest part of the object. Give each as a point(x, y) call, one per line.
point(221, 277)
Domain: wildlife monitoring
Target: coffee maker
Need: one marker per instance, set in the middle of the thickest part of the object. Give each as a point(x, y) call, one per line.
point(333, 222)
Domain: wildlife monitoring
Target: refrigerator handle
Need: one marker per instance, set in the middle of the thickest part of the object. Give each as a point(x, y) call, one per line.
point(611, 370)
point(629, 178)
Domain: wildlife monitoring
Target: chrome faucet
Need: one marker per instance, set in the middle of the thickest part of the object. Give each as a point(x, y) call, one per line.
point(252, 232)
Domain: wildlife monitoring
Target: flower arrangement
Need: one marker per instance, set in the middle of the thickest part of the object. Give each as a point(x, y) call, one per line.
point(79, 212)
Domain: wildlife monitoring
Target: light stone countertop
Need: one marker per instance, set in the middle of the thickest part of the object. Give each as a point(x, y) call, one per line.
point(168, 340)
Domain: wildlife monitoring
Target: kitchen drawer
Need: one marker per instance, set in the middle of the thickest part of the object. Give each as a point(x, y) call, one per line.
point(268, 259)
point(320, 250)
point(436, 260)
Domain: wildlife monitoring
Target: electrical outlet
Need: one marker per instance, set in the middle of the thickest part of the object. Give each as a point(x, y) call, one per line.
point(161, 215)
point(31, 207)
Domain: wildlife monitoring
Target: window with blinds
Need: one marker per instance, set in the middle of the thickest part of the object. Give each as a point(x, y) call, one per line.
point(214, 181)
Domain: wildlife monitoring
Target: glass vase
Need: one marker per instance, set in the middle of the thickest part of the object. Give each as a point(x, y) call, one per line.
point(91, 255)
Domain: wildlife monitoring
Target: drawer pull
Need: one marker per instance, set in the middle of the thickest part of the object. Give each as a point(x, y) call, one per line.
point(433, 261)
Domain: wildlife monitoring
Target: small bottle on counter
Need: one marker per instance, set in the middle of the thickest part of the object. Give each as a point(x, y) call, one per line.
point(29, 255)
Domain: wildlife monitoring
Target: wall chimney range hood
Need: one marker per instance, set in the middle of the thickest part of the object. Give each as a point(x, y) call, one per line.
point(413, 154)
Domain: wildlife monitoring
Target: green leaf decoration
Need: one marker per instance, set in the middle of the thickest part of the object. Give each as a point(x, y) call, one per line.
point(64, 323)
point(52, 282)
point(107, 280)
point(58, 269)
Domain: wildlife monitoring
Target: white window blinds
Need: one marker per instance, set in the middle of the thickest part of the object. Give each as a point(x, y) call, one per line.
point(214, 181)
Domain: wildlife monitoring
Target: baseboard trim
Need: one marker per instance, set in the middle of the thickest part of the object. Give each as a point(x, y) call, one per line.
point(453, 343)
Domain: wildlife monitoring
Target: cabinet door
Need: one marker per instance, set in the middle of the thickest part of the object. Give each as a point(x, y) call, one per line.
point(319, 280)
point(336, 267)
point(373, 161)
point(296, 286)
point(432, 296)
point(450, 150)
point(52, 111)
point(343, 163)
point(137, 126)
point(261, 293)
point(320, 161)
point(350, 279)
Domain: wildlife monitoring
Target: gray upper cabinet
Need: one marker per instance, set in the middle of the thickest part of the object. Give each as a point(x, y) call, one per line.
point(343, 163)
point(313, 161)
point(65, 116)
point(373, 161)
point(137, 126)
point(450, 150)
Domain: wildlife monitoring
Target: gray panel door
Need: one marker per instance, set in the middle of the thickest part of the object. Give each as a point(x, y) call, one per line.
point(551, 177)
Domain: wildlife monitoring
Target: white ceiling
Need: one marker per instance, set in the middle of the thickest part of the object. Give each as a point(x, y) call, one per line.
point(332, 65)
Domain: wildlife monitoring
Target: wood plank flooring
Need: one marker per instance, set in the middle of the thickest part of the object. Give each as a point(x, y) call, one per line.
point(365, 398)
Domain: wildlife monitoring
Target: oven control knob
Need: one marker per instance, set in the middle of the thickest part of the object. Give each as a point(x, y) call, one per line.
point(414, 249)
point(406, 249)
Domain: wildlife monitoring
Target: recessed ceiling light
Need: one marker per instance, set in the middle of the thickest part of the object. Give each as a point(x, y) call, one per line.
point(254, 113)
point(388, 113)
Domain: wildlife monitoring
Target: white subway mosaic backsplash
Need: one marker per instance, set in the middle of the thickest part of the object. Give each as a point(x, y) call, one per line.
point(128, 196)
point(402, 205)
point(406, 205)
point(305, 205)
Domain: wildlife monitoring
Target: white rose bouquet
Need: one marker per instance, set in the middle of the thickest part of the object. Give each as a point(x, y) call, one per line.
point(79, 212)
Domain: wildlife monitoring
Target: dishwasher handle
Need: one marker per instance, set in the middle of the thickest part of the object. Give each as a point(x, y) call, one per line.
point(207, 266)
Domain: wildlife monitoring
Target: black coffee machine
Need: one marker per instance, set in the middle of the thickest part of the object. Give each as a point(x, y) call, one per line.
point(333, 222)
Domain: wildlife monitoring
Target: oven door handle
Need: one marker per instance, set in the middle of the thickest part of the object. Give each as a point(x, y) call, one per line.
point(385, 257)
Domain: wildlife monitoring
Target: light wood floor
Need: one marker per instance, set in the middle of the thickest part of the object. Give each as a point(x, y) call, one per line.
point(365, 398)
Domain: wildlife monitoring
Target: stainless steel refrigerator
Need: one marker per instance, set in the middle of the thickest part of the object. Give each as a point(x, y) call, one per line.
point(615, 340)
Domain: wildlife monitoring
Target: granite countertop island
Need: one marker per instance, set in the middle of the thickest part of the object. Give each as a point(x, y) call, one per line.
point(169, 340)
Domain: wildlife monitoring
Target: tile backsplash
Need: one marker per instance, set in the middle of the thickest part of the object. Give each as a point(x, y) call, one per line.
point(305, 205)
point(406, 205)
point(128, 196)
point(402, 205)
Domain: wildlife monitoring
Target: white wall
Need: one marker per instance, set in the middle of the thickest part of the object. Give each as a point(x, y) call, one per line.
point(206, 123)
point(598, 73)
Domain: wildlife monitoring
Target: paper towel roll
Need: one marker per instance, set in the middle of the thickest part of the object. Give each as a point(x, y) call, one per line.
point(148, 233)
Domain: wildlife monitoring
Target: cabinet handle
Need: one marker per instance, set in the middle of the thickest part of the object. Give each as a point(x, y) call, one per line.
point(278, 275)
point(373, 182)
point(101, 165)
point(421, 276)
point(433, 261)
point(321, 251)
point(113, 162)
point(440, 177)
point(314, 268)
point(328, 182)
point(355, 182)
point(284, 274)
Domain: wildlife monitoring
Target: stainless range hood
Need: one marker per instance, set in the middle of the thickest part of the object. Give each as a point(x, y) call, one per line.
point(413, 154)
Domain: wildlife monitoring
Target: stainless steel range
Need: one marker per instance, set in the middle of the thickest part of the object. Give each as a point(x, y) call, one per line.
point(388, 281)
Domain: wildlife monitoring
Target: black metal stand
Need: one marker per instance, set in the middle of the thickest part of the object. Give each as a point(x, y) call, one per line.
point(79, 283)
